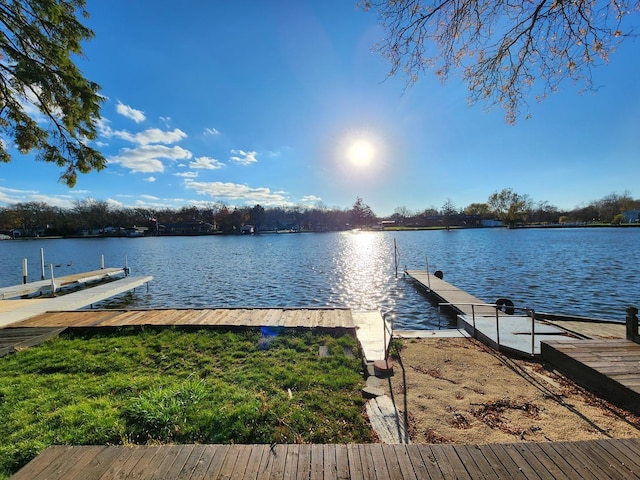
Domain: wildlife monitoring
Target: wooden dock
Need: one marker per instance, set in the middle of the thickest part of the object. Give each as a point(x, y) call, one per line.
point(610, 367)
point(368, 325)
point(43, 287)
point(515, 333)
point(14, 311)
point(597, 459)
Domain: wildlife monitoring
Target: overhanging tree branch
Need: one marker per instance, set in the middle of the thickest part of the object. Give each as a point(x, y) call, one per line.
point(506, 49)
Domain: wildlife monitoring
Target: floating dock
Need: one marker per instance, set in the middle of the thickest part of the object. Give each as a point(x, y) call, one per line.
point(518, 333)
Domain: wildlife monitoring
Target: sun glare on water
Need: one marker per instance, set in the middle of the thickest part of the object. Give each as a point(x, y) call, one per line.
point(361, 153)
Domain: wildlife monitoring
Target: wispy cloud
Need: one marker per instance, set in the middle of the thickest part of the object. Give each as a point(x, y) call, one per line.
point(243, 158)
point(150, 179)
point(310, 198)
point(11, 196)
point(187, 174)
point(146, 159)
point(211, 131)
point(206, 163)
point(152, 135)
point(129, 112)
point(238, 192)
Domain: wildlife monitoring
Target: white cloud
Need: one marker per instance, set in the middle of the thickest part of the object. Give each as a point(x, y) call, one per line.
point(207, 163)
point(234, 191)
point(187, 174)
point(150, 197)
point(152, 135)
point(126, 111)
point(146, 159)
point(114, 203)
point(244, 158)
point(11, 196)
point(310, 198)
point(150, 179)
point(211, 131)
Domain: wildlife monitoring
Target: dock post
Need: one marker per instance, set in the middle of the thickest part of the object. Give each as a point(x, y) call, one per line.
point(533, 332)
point(632, 323)
point(395, 255)
point(101, 262)
point(42, 263)
point(53, 282)
point(498, 325)
point(24, 270)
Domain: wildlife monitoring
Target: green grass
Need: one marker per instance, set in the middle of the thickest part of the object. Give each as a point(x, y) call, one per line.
point(172, 386)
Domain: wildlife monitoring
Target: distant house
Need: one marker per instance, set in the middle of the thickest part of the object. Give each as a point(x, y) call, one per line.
point(631, 216)
point(491, 223)
point(191, 227)
point(385, 224)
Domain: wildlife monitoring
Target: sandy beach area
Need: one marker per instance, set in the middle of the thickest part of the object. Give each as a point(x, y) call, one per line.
point(457, 390)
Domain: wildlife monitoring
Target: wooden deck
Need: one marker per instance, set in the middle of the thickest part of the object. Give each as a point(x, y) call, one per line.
point(514, 333)
point(602, 459)
point(609, 367)
point(221, 317)
point(374, 334)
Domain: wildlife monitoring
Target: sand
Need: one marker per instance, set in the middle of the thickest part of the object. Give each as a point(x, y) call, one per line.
point(457, 390)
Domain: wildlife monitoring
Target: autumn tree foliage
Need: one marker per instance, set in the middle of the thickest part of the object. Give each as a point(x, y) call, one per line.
point(506, 49)
point(46, 104)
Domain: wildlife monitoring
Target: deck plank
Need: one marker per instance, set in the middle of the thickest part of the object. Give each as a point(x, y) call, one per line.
point(554, 463)
point(355, 464)
point(420, 467)
point(304, 461)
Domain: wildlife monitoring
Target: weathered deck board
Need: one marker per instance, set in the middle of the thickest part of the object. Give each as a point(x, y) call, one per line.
point(592, 329)
point(229, 317)
point(13, 339)
point(607, 367)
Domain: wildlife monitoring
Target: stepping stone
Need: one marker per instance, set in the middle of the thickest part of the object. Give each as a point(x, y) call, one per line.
point(372, 392)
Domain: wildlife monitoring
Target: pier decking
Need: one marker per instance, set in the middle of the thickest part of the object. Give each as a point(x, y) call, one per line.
point(484, 321)
point(577, 460)
point(44, 286)
point(610, 368)
point(13, 311)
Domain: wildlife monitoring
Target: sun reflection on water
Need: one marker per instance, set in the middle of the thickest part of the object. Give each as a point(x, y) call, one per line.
point(362, 265)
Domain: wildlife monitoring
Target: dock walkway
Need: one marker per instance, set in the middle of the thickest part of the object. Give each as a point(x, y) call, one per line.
point(14, 311)
point(615, 458)
point(518, 333)
point(42, 287)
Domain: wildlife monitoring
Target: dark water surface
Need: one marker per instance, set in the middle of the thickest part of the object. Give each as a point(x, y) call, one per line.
point(589, 272)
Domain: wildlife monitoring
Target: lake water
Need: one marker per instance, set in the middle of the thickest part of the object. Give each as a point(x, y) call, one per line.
point(588, 272)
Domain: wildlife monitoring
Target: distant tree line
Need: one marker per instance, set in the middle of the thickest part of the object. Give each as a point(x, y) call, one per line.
point(96, 217)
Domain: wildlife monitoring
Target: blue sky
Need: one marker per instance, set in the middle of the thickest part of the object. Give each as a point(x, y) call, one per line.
point(261, 102)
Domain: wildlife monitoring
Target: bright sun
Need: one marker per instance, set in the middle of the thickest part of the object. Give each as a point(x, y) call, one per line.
point(361, 153)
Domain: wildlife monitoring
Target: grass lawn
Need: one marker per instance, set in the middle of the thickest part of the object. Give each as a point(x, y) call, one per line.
point(173, 386)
